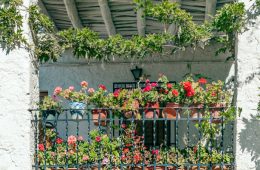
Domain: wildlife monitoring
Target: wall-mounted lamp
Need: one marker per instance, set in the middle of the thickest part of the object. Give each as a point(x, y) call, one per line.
point(137, 73)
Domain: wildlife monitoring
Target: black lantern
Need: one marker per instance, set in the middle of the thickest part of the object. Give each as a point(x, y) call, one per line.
point(137, 73)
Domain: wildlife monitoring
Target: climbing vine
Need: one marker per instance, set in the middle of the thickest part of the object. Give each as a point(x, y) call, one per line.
point(86, 43)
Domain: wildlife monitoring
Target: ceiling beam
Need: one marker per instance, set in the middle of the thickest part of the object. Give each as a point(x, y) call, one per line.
point(210, 9)
point(73, 13)
point(45, 12)
point(140, 16)
point(172, 27)
point(107, 17)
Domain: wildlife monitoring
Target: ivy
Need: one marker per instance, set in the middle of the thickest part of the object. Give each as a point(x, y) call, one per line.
point(49, 45)
point(11, 20)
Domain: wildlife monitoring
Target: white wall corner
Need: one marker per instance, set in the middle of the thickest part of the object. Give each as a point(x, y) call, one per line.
point(248, 81)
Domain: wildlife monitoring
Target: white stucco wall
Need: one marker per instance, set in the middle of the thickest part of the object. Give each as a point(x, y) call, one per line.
point(248, 127)
point(18, 84)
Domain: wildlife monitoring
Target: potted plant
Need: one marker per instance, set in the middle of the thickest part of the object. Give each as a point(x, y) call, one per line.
point(196, 155)
point(170, 95)
point(175, 157)
point(217, 158)
point(99, 100)
point(77, 99)
point(50, 110)
point(217, 99)
point(150, 101)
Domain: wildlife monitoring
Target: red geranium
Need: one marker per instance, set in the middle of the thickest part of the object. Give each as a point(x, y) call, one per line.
point(116, 93)
point(155, 152)
point(41, 147)
point(190, 93)
point(147, 81)
point(98, 139)
point(175, 92)
point(147, 88)
point(188, 89)
point(202, 81)
point(169, 85)
point(103, 87)
point(59, 141)
point(154, 84)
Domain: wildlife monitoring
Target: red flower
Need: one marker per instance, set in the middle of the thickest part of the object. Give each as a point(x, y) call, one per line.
point(103, 87)
point(116, 93)
point(190, 93)
point(155, 152)
point(123, 157)
point(213, 94)
point(202, 81)
point(147, 81)
point(169, 85)
point(154, 84)
point(175, 92)
point(137, 158)
point(125, 150)
point(166, 91)
point(59, 141)
point(147, 88)
point(41, 147)
point(187, 85)
point(98, 139)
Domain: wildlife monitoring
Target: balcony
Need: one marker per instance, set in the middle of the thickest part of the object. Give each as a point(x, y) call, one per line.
point(168, 137)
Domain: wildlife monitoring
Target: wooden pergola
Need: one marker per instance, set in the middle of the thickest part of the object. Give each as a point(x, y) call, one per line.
point(110, 17)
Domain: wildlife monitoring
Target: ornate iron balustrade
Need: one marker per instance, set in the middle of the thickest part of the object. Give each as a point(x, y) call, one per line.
point(84, 141)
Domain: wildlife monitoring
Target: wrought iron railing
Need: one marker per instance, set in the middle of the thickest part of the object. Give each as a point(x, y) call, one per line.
point(184, 141)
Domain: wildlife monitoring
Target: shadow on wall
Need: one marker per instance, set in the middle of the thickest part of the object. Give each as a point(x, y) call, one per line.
point(249, 139)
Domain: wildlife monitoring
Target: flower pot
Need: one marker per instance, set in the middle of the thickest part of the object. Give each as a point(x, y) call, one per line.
point(219, 168)
point(215, 112)
point(196, 112)
point(152, 110)
point(49, 118)
point(133, 111)
point(197, 168)
point(171, 111)
point(65, 168)
point(157, 168)
point(77, 110)
point(99, 116)
point(138, 168)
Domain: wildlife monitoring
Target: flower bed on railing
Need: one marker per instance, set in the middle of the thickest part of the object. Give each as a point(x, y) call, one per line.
point(133, 129)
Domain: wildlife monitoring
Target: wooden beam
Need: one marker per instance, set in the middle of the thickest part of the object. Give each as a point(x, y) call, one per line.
point(107, 17)
point(210, 9)
point(73, 13)
point(45, 12)
point(172, 27)
point(140, 21)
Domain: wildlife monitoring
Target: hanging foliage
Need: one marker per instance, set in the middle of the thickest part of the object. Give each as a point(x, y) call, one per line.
point(49, 45)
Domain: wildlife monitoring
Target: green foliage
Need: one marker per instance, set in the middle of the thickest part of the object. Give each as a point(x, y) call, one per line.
point(11, 21)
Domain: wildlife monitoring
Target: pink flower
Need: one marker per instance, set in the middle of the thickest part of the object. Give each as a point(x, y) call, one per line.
point(71, 88)
point(155, 152)
point(103, 87)
point(54, 97)
point(147, 81)
point(169, 85)
point(91, 90)
point(80, 138)
point(72, 140)
point(85, 158)
point(59, 141)
point(105, 161)
point(57, 90)
point(123, 126)
point(98, 139)
point(41, 147)
point(202, 81)
point(147, 88)
point(84, 84)
point(154, 84)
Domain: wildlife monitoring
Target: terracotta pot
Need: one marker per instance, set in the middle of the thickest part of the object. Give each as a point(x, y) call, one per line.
point(150, 108)
point(101, 115)
point(171, 111)
point(138, 168)
point(215, 112)
point(197, 168)
point(157, 167)
point(174, 168)
point(65, 168)
point(196, 112)
point(219, 168)
point(134, 109)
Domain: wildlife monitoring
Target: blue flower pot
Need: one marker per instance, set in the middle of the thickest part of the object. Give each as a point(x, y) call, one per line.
point(49, 118)
point(78, 109)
